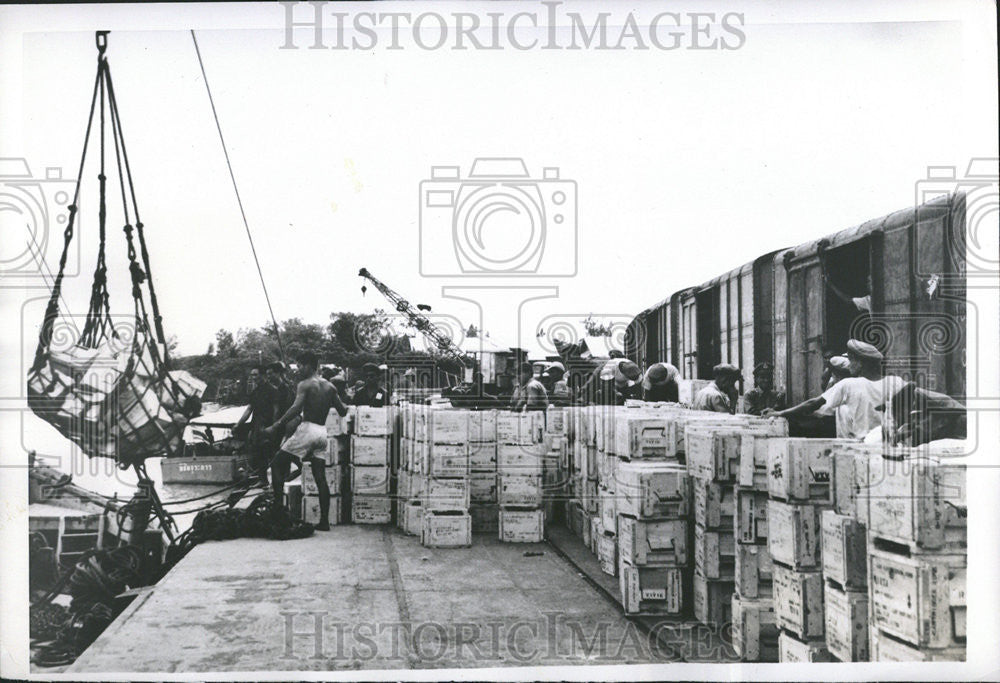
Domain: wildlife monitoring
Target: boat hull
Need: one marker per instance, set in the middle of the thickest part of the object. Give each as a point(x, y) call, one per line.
point(210, 469)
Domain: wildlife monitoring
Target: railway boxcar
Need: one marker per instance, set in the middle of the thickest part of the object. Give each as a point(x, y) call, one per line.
point(897, 282)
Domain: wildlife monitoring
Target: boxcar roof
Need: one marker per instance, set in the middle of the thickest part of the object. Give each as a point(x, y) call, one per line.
point(892, 220)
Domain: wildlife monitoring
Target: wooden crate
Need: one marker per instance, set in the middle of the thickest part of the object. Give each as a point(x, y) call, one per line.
point(714, 444)
point(520, 428)
point(920, 503)
point(754, 571)
point(556, 421)
point(520, 490)
point(371, 509)
point(607, 508)
point(333, 475)
point(714, 553)
point(713, 600)
point(483, 457)
point(653, 542)
point(844, 551)
point(310, 509)
point(713, 455)
point(920, 599)
point(411, 484)
point(887, 648)
point(369, 481)
point(607, 467)
point(446, 530)
point(593, 462)
point(643, 436)
point(590, 532)
point(370, 451)
point(802, 469)
point(369, 421)
point(752, 473)
point(793, 650)
point(338, 449)
point(448, 426)
point(755, 630)
point(413, 518)
point(483, 488)
point(793, 534)
point(519, 458)
point(714, 504)
point(446, 494)
point(798, 601)
point(652, 489)
point(607, 553)
point(588, 496)
point(483, 426)
point(521, 526)
point(750, 522)
point(417, 457)
point(846, 623)
point(335, 424)
point(651, 590)
point(447, 460)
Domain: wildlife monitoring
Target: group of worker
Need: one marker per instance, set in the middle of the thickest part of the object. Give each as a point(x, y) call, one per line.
point(283, 425)
point(864, 403)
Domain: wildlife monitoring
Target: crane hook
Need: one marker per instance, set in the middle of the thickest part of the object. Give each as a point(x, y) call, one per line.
point(364, 289)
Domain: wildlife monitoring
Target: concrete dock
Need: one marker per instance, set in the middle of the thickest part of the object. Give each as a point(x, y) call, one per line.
point(362, 597)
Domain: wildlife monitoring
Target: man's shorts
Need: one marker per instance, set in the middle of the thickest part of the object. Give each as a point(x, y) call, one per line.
point(307, 442)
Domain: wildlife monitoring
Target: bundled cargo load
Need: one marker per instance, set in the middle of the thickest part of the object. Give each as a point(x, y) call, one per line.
point(107, 385)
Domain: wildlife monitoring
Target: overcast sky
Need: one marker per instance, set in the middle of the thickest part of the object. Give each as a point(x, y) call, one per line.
point(687, 163)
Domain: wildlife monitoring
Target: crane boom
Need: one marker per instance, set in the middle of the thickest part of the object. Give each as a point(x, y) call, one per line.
point(440, 341)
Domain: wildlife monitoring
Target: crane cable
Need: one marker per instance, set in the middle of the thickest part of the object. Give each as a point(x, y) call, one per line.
point(253, 249)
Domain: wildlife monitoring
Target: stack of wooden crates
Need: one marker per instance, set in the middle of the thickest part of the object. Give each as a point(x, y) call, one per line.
point(521, 452)
point(916, 517)
point(464, 471)
point(724, 455)
point(371, 455)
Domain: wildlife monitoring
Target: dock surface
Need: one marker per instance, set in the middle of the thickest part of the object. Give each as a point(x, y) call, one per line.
point(369, 597)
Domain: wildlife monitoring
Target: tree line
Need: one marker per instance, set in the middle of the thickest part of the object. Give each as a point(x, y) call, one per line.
point(349, 340)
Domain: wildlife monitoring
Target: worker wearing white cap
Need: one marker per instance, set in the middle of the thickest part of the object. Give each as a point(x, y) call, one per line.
point(853, 400)
point(715, 396)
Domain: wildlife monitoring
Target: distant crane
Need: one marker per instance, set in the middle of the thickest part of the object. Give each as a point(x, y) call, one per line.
point(439, 340)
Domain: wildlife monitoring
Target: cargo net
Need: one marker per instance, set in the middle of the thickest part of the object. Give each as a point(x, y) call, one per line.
point(106, 387)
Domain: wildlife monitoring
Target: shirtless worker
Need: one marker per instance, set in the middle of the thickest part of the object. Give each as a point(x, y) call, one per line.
point(313, 399)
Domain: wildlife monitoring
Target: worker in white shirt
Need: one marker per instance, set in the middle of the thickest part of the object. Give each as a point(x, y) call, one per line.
point(859, 395)
point(839, 368)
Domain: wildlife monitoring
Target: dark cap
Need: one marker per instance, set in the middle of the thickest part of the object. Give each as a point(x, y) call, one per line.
point(726, 370)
